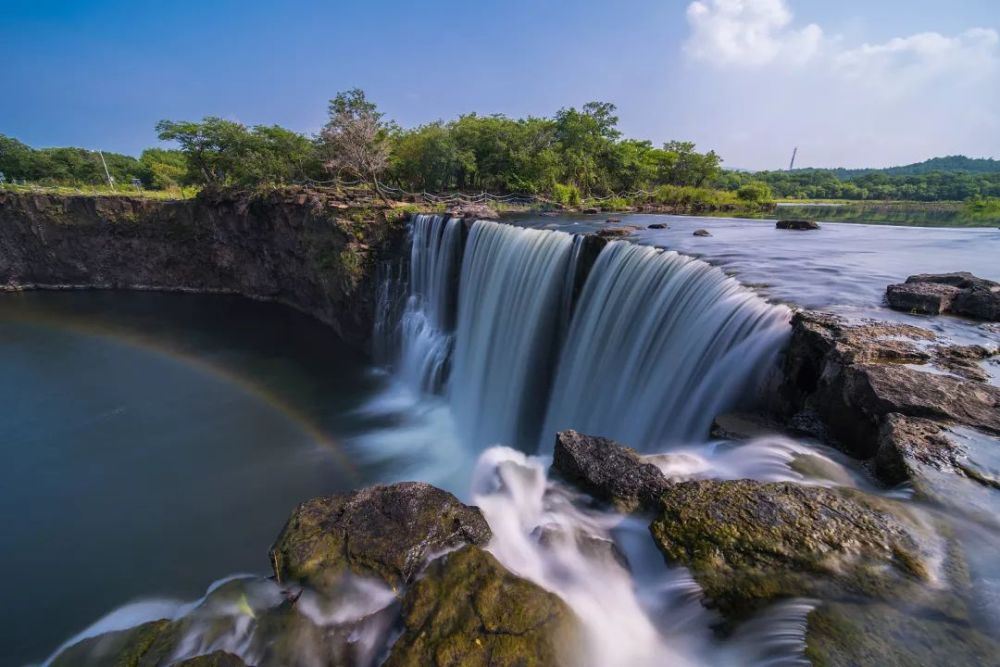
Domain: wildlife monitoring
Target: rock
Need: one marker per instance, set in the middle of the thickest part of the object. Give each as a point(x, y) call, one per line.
point(149, 644)
point(799, 225)
point(474, 212)
point(613, 220)
point(748, 543)
point(657, 225)
point(908, 442)
point(702, 232)
point(616, 232)
point(469, 610)
point(744, 426)
point(849, 376)
point(924, 298)
point(956, 293)
point(590, 210)
point(608, 471)
point(593, 547)
point(215, 659)
point(846, 634)
point(963, 360)
point(383, 531)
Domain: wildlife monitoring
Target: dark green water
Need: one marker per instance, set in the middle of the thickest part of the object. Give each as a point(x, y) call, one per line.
point(153, 443)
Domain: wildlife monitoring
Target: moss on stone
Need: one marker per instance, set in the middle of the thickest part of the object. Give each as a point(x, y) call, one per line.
point(469, 611)
point(842, 635)
point(748, 543)
point(146, 645)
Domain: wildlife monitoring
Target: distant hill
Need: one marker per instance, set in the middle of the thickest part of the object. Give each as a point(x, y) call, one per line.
point(956, 164)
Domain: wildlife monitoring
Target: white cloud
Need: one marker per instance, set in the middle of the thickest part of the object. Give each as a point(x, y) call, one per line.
point(889, 102)
point(748, 33)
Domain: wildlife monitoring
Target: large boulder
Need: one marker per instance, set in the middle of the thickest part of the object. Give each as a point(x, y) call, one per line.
point(387, 532)
point(469, 611)
point(957, 293)
point(748, 543)
point(608, 471)
point(849, 376)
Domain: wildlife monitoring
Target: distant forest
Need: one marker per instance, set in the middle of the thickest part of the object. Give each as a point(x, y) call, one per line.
point(574, 155)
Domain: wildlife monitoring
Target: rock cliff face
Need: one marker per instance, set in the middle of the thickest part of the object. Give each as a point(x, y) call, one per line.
point(310, 250)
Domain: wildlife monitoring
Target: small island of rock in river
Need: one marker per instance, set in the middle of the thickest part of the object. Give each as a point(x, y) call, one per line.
point(468, 372)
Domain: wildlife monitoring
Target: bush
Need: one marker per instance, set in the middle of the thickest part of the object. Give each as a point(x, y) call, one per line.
point(615, 204)
point(567, 195)
point(756, 192)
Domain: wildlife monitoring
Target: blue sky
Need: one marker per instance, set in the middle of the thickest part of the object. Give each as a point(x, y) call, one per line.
point(852, 83)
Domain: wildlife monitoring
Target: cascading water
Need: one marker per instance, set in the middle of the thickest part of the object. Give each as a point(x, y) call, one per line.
point(655, 345)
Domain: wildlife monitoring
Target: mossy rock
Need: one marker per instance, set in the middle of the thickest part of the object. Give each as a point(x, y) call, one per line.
point(215, 659)
point(387, 532)
point(469, 611)
point(845, 635)
point(748, 543)
point(146, 645)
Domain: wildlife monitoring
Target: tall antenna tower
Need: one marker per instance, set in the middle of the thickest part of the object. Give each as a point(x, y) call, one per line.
point(791, 165)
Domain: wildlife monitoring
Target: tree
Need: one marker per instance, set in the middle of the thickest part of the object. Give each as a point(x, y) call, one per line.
point(355, 140)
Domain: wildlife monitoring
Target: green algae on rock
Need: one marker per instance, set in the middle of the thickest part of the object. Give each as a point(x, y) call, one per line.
point(215, 659)
point(469, 611)
point(146, 645)
point(388, 532)
point(844, 634)
point(748, 543)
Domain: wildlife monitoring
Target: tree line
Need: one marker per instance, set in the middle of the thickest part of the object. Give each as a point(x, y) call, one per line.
point(572, 155)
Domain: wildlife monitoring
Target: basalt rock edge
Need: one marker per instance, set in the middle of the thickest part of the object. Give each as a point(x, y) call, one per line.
point(608, 471)
point(389, 532)
point(313, 250)
point(850, 377)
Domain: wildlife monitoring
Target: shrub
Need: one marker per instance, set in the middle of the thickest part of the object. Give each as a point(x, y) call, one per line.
point(567, 195)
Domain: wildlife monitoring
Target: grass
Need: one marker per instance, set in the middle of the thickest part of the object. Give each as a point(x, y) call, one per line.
point(102, 190)
point(914, 213)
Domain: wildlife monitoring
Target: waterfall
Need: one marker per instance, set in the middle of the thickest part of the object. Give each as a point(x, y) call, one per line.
point(659, 345)
point(526, 333)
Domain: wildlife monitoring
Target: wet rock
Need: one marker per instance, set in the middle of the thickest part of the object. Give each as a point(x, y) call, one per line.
point(744, 426)
point(702, 232)
point(384, 531)
point(552, 537)
point(590, 210)
point(798, 225)
point(845, 635)
point(215, 659)
point(613, 219)
point(146, 645)
point(657, 225)
point(957, 293)
point(964, 360)
point(616, 232)
point(608, 471)
point(905, 443)
point(849, 376)
point(474, 212)
point(748, 543)
point(468, 609)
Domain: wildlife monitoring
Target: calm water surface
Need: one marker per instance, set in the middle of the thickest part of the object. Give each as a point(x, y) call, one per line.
point(135, 425)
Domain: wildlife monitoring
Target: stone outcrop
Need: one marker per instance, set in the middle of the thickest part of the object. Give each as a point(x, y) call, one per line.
point(313, 250)
point(797, 225)
point(147, 645)
point(848, 378)
point(748, 543)
point(956, 293)
point(608, 471)
point(388, 532)
point(468, 610)
point(702, 232)
point(616, 232)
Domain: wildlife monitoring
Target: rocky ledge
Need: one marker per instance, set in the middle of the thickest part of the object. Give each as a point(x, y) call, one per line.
point(453, 603)
point(955, 293)
point(887, 584)
point(315, 250)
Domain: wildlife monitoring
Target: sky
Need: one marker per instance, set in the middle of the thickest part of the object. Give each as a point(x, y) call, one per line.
point(853, 83)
